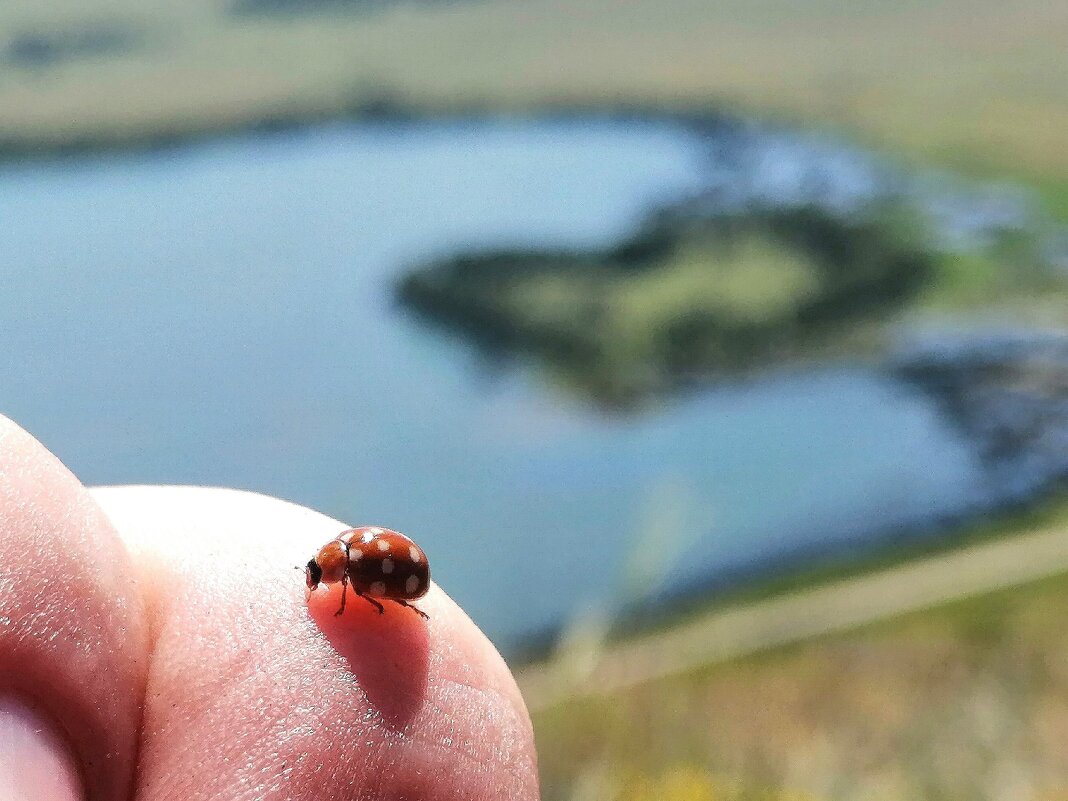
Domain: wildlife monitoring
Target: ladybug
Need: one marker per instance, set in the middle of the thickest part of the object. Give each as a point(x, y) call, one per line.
point(378, 563)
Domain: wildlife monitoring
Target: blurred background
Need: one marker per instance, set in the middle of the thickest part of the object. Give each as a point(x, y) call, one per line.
point(714, 351)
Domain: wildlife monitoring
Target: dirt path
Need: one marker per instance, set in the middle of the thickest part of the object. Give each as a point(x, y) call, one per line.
point(733, 632)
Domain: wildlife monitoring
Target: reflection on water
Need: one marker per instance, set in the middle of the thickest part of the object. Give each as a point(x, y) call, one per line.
point(752, 166)
point(222, 315)
point(1006, 391)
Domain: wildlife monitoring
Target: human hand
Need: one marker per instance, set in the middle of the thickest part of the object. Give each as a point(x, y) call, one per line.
point(155, 643)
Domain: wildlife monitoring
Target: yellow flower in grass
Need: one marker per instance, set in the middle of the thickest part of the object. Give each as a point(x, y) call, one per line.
point(683, 783)
point(692, 783)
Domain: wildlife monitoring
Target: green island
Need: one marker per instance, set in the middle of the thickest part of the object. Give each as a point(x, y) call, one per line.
point(692, 297)
point(684, 298)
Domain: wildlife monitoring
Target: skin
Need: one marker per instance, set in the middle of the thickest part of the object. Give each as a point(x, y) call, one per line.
point(163, 635)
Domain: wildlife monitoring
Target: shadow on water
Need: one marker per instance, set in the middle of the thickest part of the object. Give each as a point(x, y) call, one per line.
point(1008, 393)
point(1004, 392)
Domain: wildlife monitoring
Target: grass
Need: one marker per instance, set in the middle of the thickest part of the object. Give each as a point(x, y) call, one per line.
point(976, 85)
point(965, 701)
point(749, 283)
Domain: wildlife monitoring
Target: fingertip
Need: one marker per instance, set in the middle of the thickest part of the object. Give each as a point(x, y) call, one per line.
point(387, 652)
point(255, 677)
point(73, 639)
point(36, 764)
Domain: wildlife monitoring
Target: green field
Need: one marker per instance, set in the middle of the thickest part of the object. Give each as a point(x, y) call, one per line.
point(974, 84)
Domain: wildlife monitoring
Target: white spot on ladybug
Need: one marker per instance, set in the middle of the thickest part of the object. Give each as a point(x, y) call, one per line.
point(383, 546)
point(378, 588)
point(387, 565)
point(376, 530)
point(411, 585)
point(355, 554)
point(414, 552)
point(367, 536)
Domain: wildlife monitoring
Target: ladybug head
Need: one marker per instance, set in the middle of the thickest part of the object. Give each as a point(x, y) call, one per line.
point(313, 574)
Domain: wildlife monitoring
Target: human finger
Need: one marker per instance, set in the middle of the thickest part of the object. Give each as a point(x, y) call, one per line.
point(73, 639)
point(257, 693)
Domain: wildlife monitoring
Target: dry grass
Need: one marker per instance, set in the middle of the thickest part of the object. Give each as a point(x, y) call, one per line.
point(976, 84)
point(969, 701)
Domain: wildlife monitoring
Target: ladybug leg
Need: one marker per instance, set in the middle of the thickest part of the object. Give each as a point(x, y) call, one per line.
point(371, 601)
point(415, 609)
point(344, 590)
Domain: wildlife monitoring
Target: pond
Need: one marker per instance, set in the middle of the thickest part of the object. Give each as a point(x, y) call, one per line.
point(223, 314)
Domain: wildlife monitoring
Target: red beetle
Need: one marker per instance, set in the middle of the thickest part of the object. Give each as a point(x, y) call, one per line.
point(378, 563)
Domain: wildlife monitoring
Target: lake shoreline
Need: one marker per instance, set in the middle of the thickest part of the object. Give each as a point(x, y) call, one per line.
point(1008, 396)
point(189, 218)
point(385, 111)
point(809, 568)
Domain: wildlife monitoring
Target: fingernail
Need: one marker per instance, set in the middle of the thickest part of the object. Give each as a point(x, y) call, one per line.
point(35, 762)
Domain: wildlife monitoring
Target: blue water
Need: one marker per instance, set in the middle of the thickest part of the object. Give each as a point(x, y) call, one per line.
point(221, 314)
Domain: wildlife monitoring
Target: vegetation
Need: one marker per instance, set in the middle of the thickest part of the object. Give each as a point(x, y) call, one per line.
point(958, 702)
point(692, 296)
point(37, 50)
point(684, 298)
point(977, 86)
